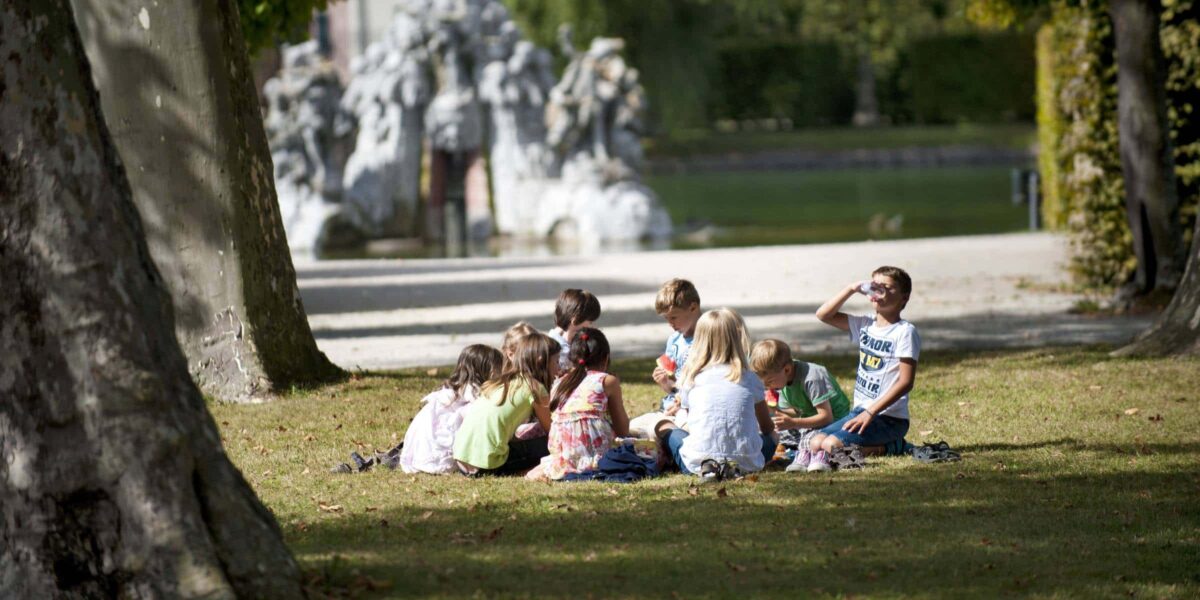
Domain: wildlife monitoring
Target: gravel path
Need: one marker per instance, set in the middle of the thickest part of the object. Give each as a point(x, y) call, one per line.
point(969, 292)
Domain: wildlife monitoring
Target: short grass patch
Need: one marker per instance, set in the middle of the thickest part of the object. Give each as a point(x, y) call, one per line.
point(1080, 478)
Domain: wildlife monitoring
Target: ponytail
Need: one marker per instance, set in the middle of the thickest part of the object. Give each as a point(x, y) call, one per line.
point(589, 350)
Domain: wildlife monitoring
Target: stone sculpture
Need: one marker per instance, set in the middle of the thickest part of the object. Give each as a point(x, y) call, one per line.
point(564, 156)
point(386, 98)
point(307, 148)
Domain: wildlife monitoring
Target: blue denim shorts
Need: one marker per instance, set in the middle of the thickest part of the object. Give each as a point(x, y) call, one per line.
point(883, 429)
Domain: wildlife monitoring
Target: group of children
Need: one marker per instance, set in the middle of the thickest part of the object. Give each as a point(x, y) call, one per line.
point(545, 404)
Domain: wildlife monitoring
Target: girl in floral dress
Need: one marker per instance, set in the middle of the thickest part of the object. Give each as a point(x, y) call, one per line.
point(586, 411)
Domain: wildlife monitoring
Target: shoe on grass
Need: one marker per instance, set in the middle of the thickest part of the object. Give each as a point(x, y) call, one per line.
point(730, 471)
point(803, 459)
point(847, 457)
point(819, 462)
point(341, 468)
point(710, 471)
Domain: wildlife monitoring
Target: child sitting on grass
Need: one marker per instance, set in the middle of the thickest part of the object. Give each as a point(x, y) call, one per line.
point(484, 443)
point(429, 441)
point(729, 426)
point(888, 349)
point(574, 310)
point(678, 303)
point(809, 397)
point(586, 410)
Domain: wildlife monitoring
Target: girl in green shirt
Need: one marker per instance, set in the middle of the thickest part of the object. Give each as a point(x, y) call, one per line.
point(484, 443)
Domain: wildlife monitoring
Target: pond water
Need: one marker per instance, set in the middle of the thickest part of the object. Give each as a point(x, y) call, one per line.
point(797, 207)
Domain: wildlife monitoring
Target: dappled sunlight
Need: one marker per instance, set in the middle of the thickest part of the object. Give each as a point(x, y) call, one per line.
point(1054, 512)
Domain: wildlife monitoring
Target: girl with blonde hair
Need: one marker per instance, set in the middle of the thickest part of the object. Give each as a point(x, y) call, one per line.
point(729, 426)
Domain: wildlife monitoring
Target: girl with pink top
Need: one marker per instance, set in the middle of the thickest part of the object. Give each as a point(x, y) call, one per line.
point(586, 410)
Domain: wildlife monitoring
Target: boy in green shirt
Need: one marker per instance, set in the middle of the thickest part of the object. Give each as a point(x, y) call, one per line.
point(809, 397)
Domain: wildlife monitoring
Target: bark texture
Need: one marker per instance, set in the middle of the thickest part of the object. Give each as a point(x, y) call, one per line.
point(1177, 330)
point(113, 482)
point(178, 96)
point(1147, 162)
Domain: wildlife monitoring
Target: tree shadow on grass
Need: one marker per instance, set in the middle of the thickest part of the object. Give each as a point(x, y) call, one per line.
point(920, 530)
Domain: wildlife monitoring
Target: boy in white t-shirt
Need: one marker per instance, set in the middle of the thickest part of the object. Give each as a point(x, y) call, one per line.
point(888, 349)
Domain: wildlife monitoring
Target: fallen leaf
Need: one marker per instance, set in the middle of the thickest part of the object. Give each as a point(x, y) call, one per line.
point(493, 534)
point(370, 509)
point(383, 523)
point(339, 426)
point(721, 493)
point(330, 508)
point(693, 491)
point(566, 507)
point(589, 557)
point(302, 526)
point(1131, 411)
point(225, 423)
point(1095, 387)
point(736, 568)
point(752, 478)
point(282, 428)
point(425, 515)
point(309, 438)
point(963, 403)
point(266, 473)
point(305, 471)
point(1156, 418)
point(923, 433)
point(431, 372)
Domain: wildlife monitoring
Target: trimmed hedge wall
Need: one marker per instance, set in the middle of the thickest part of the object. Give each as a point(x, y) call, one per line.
point(1077, 130)
point(942, 79)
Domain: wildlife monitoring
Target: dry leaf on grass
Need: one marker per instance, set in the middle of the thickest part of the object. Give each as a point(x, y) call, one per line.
point(425, 515)
point(1131, 411)
point(721, 493)
point(329, 508)
point(431, 372)
point(925, 432)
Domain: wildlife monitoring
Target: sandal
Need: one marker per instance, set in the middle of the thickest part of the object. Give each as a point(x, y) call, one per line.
point(847, 458)
point(935, 453)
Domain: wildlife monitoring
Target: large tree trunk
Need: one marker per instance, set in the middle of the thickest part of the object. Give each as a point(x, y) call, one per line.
point(113, 482)
point(1147, 163)
point(1177, 330)
point(177, 93)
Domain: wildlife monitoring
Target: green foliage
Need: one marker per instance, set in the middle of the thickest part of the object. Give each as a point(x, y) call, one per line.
point(810, 83)
point(704, 60)
point(269, 22)
point(1082, 128)
point(1180, 37)
point(1050, 124)
point(969, 77)
point(670, 43)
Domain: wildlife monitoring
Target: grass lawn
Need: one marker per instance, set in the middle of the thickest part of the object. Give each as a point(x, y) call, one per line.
point(794, 207)
point(1064, 491)
point(704, 141)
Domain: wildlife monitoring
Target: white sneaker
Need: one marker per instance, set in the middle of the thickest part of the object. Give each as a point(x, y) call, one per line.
point(803, 459)
point(819, 462)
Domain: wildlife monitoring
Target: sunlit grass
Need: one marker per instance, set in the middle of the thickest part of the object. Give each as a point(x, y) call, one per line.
point(1064, 491)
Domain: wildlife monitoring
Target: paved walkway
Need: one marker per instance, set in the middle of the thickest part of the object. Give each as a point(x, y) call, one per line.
point(969, 292)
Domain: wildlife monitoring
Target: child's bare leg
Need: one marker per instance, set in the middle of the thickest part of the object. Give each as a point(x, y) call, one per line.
point(831, 443)
point(814, 444)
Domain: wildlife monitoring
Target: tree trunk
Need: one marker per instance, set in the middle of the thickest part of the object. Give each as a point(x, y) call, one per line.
point(113, 482)
point(866, 102)
point(1147, 162)
point(1177, 330)
point(177, 93)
